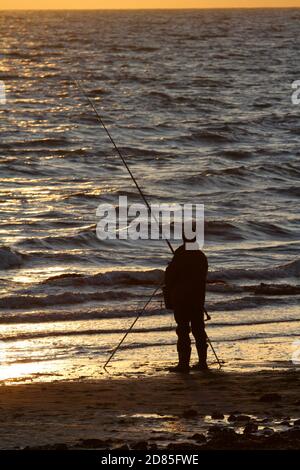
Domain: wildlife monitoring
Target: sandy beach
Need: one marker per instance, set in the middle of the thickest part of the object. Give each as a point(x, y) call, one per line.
point(216, 410)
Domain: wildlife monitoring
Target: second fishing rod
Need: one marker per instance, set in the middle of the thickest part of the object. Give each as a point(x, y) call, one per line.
point(99, 118)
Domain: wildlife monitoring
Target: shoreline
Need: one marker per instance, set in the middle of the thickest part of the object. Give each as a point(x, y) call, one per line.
point(218, 410)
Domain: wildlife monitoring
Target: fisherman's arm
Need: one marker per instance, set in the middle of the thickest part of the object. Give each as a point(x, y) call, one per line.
point(203, 280)
point(170, 274)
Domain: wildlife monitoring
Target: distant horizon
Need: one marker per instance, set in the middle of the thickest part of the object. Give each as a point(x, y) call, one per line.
point(96, 5)
point(155, 9)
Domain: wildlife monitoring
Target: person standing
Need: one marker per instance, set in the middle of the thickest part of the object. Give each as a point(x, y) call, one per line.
point(185, 286)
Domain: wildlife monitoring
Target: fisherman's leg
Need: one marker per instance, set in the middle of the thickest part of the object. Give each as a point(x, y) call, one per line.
point(183, 343)
point(198, 330)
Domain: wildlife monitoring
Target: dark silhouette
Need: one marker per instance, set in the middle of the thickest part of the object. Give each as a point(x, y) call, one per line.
point(185, 283)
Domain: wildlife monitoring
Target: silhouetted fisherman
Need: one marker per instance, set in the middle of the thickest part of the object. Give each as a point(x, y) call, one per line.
point(185, 284)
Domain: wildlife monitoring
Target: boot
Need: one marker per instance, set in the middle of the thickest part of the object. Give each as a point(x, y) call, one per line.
point(183, 366)
point(202, 355)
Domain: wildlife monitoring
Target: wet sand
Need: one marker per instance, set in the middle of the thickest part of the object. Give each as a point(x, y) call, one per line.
point(198, 411)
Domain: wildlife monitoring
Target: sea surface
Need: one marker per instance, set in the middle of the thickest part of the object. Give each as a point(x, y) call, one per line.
point(200, 104)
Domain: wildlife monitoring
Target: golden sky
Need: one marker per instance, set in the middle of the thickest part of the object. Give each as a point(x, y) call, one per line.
point(121, 4)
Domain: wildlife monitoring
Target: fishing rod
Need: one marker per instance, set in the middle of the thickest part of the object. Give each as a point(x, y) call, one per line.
point(80, 87)
point(130, 328)
point(82, 90)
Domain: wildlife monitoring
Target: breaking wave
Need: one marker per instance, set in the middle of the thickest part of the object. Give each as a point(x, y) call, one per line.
point(291, 269)
point(65, 298)
point(113, 278)
point(156, 276)
point(10, 258)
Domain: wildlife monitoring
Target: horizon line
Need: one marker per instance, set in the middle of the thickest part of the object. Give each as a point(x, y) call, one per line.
point(153, 9)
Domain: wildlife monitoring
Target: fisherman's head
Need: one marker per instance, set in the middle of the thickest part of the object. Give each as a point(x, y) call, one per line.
point(189, 236)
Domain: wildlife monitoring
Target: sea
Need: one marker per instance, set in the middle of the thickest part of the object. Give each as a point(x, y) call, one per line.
point(200, 103)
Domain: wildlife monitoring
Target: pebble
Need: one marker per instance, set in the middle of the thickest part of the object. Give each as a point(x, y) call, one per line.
point(183, 446)
point(92, 443)
point(238, 418)
point(268, 431)
point(140, 445)
point(123, 447)
point(217, 415)
point(198, 437)
point(191, 413)
point(250, 428)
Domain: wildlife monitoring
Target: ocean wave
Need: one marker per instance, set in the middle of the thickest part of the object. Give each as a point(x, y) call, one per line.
point(211, 136)
point(208, 82)
point(220, 177)
point(263, 295)
point(139, 48)
point(35, 152)
point(163, 97)
point(24, 55)
point(217, 280)
point(232, 171)
point(288, 192)
point(247, 302)
point(112, 278)
point(235, 338)
point(133, 151)
point(49, 316)
point(137, 330)
point(82, 238)
point(88, 117)
point(291, 269)
point(28, 144)
point(10, 258)
point(256, 289)
point(81, 332)
point(222, 229)
point(21, 301)
point(268, 228)
point(94, 92)
point(281, 170)
point(275, 289)
point(236, 154)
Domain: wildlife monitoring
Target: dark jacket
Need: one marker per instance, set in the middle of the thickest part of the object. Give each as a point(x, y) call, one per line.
point(185, 278)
